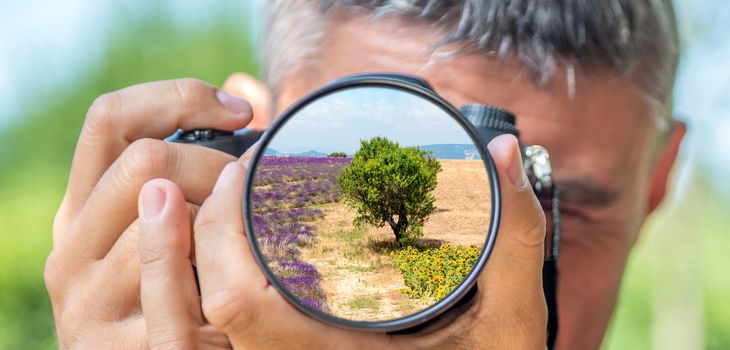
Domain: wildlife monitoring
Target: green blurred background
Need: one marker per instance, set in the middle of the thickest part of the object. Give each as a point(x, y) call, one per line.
point(56, 57)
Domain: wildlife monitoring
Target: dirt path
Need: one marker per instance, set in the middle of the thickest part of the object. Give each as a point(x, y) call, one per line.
point(360, 284)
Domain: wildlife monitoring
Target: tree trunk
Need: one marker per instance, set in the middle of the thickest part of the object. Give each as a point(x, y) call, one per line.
point(394, 227)
point(399, 228)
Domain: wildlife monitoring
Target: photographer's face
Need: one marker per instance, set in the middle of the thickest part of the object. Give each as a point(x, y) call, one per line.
point(603, 142)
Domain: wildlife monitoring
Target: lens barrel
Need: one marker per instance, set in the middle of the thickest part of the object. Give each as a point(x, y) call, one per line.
point(489, 121)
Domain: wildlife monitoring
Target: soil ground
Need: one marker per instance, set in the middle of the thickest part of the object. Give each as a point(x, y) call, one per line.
point(358, 273)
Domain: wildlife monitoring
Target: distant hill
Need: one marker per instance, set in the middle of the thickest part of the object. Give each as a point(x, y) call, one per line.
point(312, 153)
point(452, 151)
point(271, 152)
point(441, 151)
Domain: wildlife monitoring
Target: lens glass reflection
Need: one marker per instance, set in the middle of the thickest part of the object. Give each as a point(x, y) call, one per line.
point(370, 204)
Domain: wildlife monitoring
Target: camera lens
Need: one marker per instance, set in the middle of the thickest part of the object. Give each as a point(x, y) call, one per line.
point(357, 207)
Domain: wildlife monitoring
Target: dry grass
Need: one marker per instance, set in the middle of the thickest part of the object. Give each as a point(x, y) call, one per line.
point(360, 284)
point(462, 203)
point(359, 277)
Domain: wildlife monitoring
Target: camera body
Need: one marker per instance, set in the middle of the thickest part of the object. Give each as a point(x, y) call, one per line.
point(234, 143)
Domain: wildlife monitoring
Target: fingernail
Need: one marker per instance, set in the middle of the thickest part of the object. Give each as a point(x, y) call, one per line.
point(516, 170)
point(226, 175)
point(233, 103)
point(506, 149)
point(153, 201)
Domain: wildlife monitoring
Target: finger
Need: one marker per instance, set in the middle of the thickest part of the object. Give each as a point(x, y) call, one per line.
point(150, 110)
point(516, 261)
point(123, 262)
point(229, 276)
point(126, 246)
point(256, 93)
point(168, 293)
point(111, 208)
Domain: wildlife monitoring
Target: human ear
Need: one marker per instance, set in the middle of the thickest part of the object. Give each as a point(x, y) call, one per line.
point(664, 163)
point(256, 93)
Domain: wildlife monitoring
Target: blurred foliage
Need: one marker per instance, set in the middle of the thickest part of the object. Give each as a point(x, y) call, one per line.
point(36, 156)
point(677, 280)
point(674, 294)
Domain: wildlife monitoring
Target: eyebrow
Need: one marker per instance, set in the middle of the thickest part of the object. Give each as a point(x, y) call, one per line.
point(586, 192)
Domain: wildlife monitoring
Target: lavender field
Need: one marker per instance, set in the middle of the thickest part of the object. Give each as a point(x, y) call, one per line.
point(286, 193)
point(314, 248)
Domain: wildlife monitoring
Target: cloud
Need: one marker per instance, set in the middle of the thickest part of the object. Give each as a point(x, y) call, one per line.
point(341, 119)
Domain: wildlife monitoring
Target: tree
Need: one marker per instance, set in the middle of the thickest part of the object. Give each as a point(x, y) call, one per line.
point(389, 184)
point(337, 155)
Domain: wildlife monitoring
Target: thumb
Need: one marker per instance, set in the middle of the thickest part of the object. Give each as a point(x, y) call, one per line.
point(168, 293)
point(230, 279)
point(512, 278)
point(522, 227)
point(256, 93)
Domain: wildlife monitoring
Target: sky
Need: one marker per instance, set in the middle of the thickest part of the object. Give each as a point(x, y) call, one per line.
point(37, 39)
point(44, 42)
point(338, 121)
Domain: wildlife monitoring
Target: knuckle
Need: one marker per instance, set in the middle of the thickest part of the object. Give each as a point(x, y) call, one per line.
point(532, 222)
point(184, 339)
point(146, 158)
point(53, 274)
point(209, 223)
point(193, 210)
point(128, 242)
point(538, 222)
point(60, 223)
point(213, 337)
point(191, 91)
point(69, 325)
point(153, 258)
point(225, 310)
point(205, 221)
point(100, 116)
point(534, 232)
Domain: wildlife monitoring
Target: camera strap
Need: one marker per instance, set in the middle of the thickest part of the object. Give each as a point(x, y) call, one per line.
point(550, 270)
point(539, 170)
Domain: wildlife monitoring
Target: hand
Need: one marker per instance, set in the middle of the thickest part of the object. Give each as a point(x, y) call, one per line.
point(93, 272)
point(509, 310)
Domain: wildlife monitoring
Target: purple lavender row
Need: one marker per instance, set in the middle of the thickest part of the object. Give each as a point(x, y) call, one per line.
point(296, 194)
point(276, 161)
point(280, 233)
point(280, 236)
point(287, 169)
point(280, 241)
point(298, 277)
point(282, 210)
point(287, 216)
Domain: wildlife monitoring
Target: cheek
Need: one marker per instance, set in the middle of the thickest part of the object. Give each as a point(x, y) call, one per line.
point(592, 260)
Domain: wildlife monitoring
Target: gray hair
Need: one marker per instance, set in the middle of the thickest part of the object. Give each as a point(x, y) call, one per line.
point(631, 37)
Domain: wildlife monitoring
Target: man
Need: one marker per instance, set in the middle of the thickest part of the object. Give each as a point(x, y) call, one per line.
point(589, 79)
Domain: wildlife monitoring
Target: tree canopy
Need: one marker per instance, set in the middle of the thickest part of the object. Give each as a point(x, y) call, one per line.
point(389, 184)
